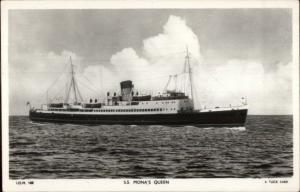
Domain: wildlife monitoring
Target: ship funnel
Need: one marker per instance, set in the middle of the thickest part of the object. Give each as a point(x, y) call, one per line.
point(126, 90)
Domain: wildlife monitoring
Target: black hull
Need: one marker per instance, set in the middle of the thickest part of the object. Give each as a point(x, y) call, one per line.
point(231, 118)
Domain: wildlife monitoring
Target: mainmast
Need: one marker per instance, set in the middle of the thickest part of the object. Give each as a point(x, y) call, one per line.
point(190, 74)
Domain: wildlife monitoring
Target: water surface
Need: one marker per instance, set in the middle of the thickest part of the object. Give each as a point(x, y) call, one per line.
point(263, 148)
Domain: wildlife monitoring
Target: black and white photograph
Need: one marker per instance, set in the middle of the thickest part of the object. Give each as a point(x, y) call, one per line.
point(148, 96)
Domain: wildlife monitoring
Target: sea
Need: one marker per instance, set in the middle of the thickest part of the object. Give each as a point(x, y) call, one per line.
point(263, 148)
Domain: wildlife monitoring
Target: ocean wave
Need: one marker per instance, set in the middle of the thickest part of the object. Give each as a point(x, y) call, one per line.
point(227, 128)
point(236, 128)
point(39, 124)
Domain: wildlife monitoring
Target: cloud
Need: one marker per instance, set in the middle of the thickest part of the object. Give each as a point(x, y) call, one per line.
point(176, 37)
point(267, 93)
point(226, 84)
point(162, 55)
point(278, 90)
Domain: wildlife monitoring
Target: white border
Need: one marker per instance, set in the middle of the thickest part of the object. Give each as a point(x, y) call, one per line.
point(175, 184)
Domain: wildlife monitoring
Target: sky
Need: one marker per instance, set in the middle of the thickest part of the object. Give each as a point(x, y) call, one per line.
point(234, 53)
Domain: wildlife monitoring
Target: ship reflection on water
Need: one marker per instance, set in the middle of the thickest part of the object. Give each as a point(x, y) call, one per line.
point(263, 148)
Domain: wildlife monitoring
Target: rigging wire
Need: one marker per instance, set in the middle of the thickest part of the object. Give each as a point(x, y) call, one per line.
point(95, 90)
point(58, 77)
point(63, 72)
point(91, 84)
point(80, 96)
point(57, 93)
point(56, 80)
point(166, 87)
point(85, 85)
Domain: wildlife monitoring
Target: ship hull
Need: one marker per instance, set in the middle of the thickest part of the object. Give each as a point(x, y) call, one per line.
point(230, 118)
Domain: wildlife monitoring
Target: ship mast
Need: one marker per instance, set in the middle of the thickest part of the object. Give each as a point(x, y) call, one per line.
point(73, 86)
point(73, 80)
point(190, 74)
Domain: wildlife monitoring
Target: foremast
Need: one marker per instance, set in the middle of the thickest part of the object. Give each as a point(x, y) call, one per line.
point(73, 87)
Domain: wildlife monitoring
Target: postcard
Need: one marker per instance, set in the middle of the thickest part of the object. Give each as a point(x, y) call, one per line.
point(150, 95)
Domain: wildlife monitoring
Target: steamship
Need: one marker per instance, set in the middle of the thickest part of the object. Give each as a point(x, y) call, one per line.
point(172, 107)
